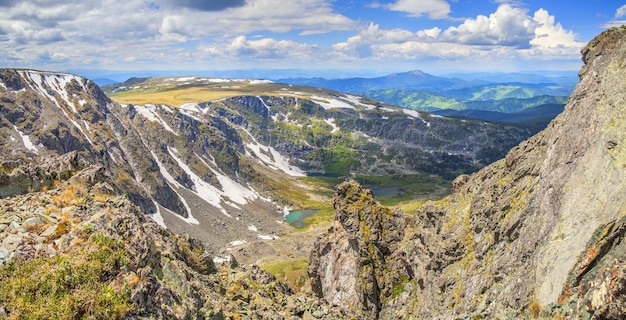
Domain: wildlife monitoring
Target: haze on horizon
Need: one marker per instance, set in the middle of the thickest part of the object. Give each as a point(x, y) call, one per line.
point(360, 37)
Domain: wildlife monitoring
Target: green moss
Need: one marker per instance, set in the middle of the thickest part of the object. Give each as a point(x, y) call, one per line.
point(293, 272)
point(399, 288)
point(81, 284)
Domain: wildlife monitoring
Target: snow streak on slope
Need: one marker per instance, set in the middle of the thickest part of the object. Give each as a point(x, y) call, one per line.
point(235, 191)
point(264, 104)
point(156, 216)
point(57, 82)
point(276, 161)
point(168, 177)
point(331, 121)
point(26, 139)
point(412, 113)
point(149, 112)
point(204, 190)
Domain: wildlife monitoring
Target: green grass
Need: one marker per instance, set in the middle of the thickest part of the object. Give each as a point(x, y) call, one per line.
point(293, 272)
point(83, 284)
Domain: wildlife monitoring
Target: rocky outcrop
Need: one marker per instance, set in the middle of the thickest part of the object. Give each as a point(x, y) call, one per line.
point(79, 240)
point(357, 261)
point(541, 226)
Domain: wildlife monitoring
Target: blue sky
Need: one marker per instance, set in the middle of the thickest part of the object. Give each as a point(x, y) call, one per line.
point(359, 37)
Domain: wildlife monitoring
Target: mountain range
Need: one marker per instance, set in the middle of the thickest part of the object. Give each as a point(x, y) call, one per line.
point(142, 200)
point(465, 93)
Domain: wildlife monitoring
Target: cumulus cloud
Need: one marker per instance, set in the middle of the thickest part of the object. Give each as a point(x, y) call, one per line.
point(153, 32)
point(508, 26)
point(362, 44)
point(435, 9)
point(551, 37)
point(620, 12)
point(508, 34)
point(266, 48)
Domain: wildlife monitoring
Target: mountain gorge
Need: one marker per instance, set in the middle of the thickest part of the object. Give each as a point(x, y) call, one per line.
point(109, 198)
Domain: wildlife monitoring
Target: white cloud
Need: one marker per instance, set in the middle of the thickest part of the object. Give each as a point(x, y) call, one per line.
point(620, 12)
point(178, 34)
point(552, 39)
point(435, 9)
point(507, 35)
point(368, 38)
point(267, 48)
point(507, 26)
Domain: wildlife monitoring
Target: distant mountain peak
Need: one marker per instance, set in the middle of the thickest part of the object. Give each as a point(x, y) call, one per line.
point(419, 73)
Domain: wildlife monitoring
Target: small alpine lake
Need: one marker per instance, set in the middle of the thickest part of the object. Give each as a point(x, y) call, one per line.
point(296, 217)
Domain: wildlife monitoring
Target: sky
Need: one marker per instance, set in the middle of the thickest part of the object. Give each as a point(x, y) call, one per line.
point(358, 37)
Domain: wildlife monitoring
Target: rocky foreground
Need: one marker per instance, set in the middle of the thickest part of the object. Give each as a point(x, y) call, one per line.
point(78, 250)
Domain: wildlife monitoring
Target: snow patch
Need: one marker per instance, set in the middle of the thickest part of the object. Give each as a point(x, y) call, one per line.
point(221, 260)
point(157, 217)
point(58, 82)
point(87, 126)
point(276, 160)
point(237, 242)
point(252, 228)
point(207, 192)
point(357, 100)
point(260, 81)
point(167, 108)
point(26, 139)
point(331, 121)
point(187, 113)
point(149, 112)
point(412, 113)
point(267, 237)
point(264, 104)
point(168, 177)
point(190, 107)
point(327, 103)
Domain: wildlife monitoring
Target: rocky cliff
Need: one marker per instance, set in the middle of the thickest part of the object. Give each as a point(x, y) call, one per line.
point(536, 234)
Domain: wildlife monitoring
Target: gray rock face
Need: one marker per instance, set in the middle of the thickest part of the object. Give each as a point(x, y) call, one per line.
point(357, 262)
point(513, 233)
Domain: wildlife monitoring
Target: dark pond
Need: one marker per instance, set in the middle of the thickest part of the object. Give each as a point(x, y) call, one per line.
point(385, 191)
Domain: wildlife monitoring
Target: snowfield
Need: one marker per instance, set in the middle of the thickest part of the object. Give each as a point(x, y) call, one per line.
point(332, 103)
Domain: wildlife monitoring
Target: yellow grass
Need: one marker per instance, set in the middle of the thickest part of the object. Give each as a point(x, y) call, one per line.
point(179, 96)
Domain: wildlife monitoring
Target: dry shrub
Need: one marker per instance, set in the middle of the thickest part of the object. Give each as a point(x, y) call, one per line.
point(71, 196)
